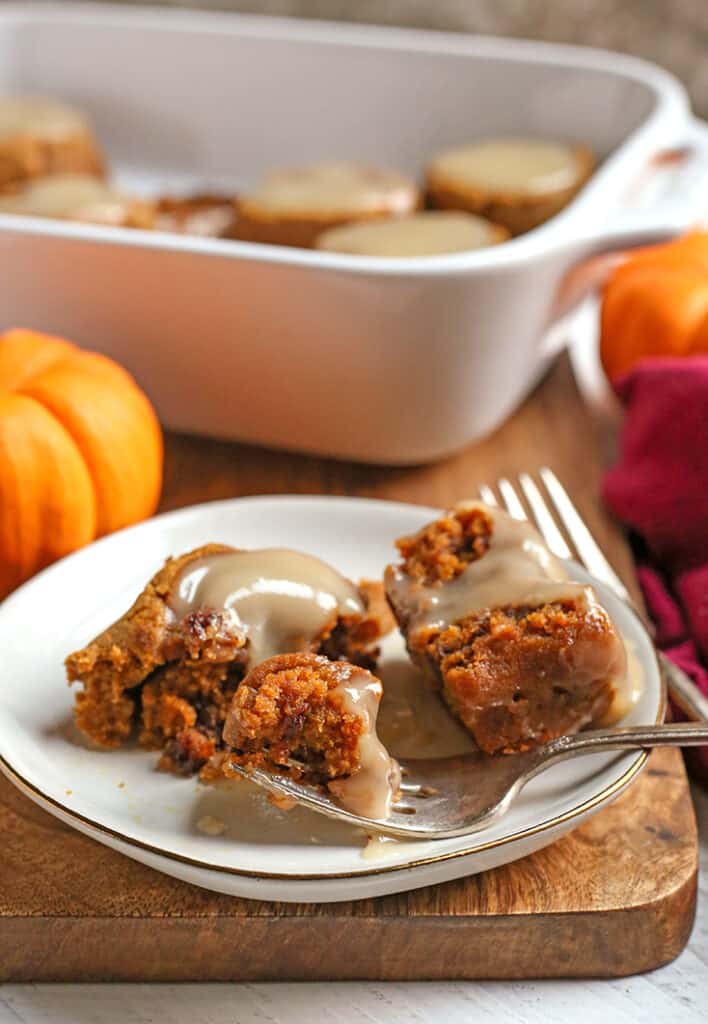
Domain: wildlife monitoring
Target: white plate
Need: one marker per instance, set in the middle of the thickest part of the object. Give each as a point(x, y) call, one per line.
point(118, 797)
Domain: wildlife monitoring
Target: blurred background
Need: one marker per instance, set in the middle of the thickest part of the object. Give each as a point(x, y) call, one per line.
point(673, 33)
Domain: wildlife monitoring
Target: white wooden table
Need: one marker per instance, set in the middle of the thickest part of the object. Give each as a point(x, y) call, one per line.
point(676, 993)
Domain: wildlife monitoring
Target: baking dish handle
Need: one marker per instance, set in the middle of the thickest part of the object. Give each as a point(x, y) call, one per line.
point(598, 256)
point(668, 200)
point(632, 229)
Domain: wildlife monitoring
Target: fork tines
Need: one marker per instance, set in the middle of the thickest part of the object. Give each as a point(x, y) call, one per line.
point(546, 503)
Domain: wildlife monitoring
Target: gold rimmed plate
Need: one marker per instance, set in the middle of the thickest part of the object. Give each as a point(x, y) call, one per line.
point(228, 837)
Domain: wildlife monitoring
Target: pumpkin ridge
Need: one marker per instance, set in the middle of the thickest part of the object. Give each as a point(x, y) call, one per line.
point(115, 430)
point(26, 355)
point(81, 451)
point(46, 558)
point(36, 504)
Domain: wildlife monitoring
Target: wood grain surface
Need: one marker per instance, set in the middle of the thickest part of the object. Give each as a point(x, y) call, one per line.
point(615, 897)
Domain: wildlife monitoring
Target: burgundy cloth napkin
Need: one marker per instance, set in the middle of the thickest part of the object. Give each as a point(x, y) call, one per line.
point(659, 488)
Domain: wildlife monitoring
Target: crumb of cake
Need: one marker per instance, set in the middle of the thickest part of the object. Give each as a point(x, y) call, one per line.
point(441, 550)
point(216, 769)
point(283, 803)
point(211, 826)
point(187, 752)
point(121, 785)
point(353, 638)
point(378, 620)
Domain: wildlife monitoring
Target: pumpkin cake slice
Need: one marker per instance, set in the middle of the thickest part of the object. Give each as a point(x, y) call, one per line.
point(171, 665)
point(314, 719)
point(521, 653)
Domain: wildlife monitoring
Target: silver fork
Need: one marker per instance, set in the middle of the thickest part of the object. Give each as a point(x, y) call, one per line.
point(445, 797)
point(584, 549)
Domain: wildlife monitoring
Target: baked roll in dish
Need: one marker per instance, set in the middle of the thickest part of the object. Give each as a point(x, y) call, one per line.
point(428, 233)
point(518, 183)
point(315, 720)
point(79, 197)
point(171, 665)
point(521, 653)
point(294, 207)
point(40, 136)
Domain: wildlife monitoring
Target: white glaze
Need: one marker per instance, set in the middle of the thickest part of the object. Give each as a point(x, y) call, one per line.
point(334, 188)
point(74, 196)
point(629, 686)
point(38, 116)
point(428, 233)
point(370, 790)
point(519, 166)
point(282, 599)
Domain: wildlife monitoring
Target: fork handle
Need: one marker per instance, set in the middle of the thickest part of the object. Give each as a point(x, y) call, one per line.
point(638, 737)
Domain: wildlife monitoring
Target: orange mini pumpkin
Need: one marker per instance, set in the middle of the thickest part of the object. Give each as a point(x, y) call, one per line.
point(80, 451)
point(656, 304)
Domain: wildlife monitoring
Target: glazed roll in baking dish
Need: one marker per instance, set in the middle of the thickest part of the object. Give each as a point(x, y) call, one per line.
point(79, 197)
point(171, 665)
point(428, 233)
point(518, 183)
point(294, 207)
point(521, 652)
point(41, 136)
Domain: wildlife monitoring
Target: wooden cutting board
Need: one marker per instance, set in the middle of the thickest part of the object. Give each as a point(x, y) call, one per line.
point(615, 897)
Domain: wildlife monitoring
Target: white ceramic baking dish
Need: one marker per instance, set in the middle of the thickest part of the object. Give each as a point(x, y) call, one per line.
point(392, 361)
